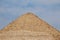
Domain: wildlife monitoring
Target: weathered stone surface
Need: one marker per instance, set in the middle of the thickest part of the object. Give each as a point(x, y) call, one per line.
point(29, 27)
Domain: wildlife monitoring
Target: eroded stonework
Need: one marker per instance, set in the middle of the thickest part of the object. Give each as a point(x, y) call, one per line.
point(26, 35)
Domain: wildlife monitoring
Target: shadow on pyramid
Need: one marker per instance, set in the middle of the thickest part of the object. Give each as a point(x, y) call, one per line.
point(29, 27)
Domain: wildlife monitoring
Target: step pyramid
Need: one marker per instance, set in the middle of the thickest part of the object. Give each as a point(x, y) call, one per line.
point(29, 27)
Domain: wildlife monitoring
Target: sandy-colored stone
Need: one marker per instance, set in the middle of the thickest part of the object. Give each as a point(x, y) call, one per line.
point(29, 27)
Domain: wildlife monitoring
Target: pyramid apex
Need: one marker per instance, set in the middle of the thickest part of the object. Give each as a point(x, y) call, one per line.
point(29, 13)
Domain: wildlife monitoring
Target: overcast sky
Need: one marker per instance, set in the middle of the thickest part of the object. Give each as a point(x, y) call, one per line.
point(48, 10)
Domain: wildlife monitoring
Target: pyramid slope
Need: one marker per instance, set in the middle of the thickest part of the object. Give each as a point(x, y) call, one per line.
point(31, 23)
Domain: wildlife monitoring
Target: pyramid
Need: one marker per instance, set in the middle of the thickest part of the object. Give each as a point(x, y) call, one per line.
point(29, 27)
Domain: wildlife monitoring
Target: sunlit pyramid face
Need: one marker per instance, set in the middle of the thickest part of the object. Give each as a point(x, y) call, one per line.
point(29, 27)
